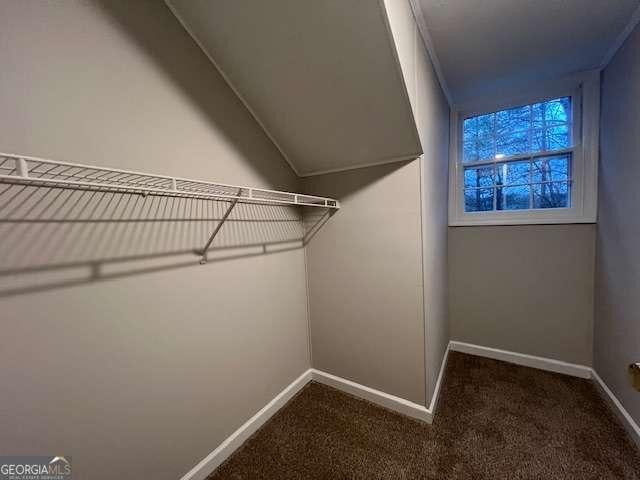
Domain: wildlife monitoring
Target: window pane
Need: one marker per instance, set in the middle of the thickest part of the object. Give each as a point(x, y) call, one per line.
point(486, 124)
point(513, 120)
point(470, 151)
point(513, 173)
point(478, 143)
point(558, 137)
point(485, 148)
point(470, 129)
point(513, 198)
point(551, 195)
point(551, 169)
point(474, 127)
point(478, 177)
point(478, 199)
point(513, 143)
point(551, 113)
point(553, 138)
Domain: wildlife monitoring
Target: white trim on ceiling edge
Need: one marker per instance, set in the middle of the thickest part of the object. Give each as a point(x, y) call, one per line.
point(233, 88)
point(620, 39)
point(212, 461)
point(418, 15)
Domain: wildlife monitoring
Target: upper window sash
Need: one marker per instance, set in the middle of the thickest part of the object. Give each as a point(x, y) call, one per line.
point(523, 130)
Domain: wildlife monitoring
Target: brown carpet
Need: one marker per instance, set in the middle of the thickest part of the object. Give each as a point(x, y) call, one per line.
point(494, 421)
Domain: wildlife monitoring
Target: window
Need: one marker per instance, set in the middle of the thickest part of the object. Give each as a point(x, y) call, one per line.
point(507, 161)
point(526, 162)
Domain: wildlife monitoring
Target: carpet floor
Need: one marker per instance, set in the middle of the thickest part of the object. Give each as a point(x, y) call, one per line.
point(494, 421)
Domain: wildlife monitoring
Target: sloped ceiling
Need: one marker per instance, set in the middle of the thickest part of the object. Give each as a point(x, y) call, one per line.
point(320, 76)
point(484, 46)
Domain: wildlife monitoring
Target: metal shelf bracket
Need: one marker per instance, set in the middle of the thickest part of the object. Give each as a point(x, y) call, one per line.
point(204, 251)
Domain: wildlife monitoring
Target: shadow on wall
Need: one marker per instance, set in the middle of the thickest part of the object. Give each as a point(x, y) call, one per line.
point(159, 34)
point(345, 184)
point(53, 237)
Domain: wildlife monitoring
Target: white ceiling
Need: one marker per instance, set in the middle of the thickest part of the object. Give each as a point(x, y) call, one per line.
point(320, 76)
point(485, 45)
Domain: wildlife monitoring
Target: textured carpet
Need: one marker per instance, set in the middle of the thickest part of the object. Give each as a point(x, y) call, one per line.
point(494, 421)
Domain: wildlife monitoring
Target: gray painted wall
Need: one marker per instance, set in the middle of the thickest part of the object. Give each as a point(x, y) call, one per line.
point(617, 320)
point(431, 113)
point(365, 280)
point(432, 117)
point(528, 289)
point(377, 271)
point(145, 373)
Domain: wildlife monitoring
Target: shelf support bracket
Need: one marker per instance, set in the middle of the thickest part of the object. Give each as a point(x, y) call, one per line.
point(203, 260)
point(21, 168)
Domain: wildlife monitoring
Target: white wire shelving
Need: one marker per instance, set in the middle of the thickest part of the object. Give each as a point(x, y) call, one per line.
point(26, 170)
point(38, 171)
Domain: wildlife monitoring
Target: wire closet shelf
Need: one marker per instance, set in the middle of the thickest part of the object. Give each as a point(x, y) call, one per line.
point(24, 170)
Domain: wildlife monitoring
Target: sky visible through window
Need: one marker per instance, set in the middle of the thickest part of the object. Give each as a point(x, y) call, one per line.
point(510, 173)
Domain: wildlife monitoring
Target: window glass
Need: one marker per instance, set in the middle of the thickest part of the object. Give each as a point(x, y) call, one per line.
point(478, 199)
point(516, 169)
point(539, 127)
point(539, 182)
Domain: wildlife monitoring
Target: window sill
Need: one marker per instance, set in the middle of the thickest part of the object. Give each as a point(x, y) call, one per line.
point(487, 220)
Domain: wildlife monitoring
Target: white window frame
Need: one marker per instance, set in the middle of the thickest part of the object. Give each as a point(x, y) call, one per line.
point(584, 90)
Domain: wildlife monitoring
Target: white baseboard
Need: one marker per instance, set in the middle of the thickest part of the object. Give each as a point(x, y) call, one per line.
point(203, 469)
point(212, 461)
point(382, 399)
point(436, 391)
point(629, 424)
point(525, 360)
point(386, 400)
point(557, 366)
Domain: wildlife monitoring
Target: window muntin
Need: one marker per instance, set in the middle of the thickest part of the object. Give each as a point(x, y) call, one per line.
point(508, 162)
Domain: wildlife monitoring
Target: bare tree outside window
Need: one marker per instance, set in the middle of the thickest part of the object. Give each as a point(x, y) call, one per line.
point(513, 158)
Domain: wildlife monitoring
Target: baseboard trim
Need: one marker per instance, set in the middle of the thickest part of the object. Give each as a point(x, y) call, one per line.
point(405, 407)
point(207, 465)
point(212, 461)
point(557, 366)
point(386, 400)
point(627, 421)
point(523, 359)
point(436, 391)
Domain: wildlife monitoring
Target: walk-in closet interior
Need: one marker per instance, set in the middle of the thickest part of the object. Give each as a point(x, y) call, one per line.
point(329, 239)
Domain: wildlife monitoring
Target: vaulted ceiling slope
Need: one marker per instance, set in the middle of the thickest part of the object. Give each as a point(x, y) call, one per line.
point(320, 76)
point(485, 46)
